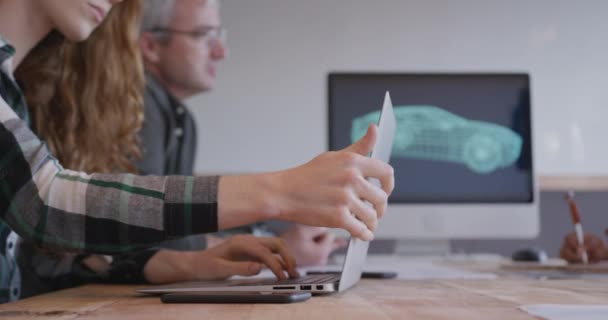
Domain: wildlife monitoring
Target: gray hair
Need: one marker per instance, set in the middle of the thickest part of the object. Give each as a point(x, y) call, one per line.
point(158, 13)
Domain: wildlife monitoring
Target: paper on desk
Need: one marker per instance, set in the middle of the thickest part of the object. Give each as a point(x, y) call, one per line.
point(567, 312)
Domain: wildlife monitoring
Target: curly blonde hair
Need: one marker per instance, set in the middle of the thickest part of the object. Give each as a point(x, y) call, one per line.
point(86, 99)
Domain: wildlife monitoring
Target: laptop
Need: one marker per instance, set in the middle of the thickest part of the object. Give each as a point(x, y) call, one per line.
point(318, 283)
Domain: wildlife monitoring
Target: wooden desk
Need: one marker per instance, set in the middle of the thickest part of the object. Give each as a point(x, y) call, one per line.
point(370, 299)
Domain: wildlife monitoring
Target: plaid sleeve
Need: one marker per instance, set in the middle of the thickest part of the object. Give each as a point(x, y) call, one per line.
point(104, 213)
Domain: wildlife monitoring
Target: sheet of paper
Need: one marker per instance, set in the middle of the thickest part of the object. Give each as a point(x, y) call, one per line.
point(567, 312)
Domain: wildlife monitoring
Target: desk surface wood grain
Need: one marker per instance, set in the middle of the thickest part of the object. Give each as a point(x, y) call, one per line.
point(370, 299)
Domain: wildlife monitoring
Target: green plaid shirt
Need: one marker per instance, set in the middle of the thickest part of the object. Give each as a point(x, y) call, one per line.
point(100, 213)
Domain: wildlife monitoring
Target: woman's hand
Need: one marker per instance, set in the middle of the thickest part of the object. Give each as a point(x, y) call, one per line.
point(243, 255)
point(332, 190)
point(312, 246)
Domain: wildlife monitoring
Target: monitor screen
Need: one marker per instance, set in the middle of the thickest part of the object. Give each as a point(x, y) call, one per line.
point(461, 138)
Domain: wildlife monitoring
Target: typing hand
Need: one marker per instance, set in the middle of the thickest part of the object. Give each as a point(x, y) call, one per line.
point(243, 255)
point(311, 246)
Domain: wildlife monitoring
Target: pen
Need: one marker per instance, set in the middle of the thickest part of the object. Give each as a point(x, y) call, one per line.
point(578, 227)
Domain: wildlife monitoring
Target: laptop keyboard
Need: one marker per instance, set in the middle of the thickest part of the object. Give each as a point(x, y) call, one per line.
point(317, 278)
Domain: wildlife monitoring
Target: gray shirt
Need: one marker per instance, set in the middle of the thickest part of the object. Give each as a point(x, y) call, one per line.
point(168, 135)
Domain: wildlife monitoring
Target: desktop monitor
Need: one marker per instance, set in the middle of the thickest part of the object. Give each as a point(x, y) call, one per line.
point(462, 154)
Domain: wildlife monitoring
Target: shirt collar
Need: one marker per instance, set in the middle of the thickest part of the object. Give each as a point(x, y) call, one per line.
point(6, 50)
point(157, 88)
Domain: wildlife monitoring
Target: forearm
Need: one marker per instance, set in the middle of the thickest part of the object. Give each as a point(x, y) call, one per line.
point(247, 199)
point(184, 205)
point(103, 219)
point(168, 266)
point(99, 213)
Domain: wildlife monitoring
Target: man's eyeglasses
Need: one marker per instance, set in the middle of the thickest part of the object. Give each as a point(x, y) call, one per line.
point(211, 35)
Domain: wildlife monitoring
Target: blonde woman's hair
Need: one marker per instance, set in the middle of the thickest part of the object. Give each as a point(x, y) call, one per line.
point(86, 98)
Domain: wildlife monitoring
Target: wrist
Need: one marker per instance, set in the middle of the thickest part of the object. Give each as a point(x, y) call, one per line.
point(168, 266)
point(184, 264)
point(247, 199)
point(274, 195)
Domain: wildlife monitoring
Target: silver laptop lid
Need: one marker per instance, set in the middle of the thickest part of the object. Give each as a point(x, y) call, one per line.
point(357, 249)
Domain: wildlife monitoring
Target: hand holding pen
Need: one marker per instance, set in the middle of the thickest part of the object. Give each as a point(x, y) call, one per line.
point(578, 247)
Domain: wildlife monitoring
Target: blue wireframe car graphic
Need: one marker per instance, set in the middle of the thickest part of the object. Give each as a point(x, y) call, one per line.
point(431, 133)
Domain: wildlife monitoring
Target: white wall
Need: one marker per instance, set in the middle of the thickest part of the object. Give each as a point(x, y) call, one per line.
point(269, 109)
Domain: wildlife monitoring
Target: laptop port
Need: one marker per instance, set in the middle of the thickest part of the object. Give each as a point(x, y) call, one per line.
point(319, 287)
point(284, 288)
point(305, 287)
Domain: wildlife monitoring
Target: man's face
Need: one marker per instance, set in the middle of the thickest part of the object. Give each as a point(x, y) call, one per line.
point(189, 58)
